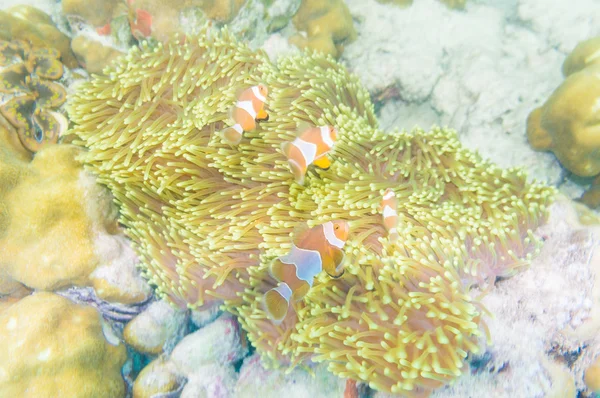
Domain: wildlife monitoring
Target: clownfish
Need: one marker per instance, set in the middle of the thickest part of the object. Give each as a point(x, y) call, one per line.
point(389, 205)
point(316, 249)
point(310, 147)
point(247, 110)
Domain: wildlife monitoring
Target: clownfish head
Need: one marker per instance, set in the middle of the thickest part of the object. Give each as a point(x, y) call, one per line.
point(333, 133)
point(341, 229)
point(263, 90)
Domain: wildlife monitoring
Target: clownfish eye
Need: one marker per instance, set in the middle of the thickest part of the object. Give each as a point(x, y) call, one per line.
point(337, 227)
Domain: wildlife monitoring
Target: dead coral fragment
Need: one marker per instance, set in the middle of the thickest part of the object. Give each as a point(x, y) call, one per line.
point(207, 219)
point(35, 96)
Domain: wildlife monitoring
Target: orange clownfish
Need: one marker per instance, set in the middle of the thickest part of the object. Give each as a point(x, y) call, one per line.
point(247, 110)
point(389, 205)
point(310, 147)
point(316, 249)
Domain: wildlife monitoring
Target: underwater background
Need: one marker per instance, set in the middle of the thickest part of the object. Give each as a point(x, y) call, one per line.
point(146, 253)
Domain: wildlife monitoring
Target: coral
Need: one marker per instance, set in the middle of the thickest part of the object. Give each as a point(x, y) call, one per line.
point(207, 218)
point(13, 168)
point(592, 376)
point(456, 4)
point(48, 242)
point(93, 55)
point(401, 3)
point(95, 12)
point(26, 23)
point(52, 347)
point(568, 123)
point(26, 74)
point(583, 55)
point(328, 25)
point(145, 18)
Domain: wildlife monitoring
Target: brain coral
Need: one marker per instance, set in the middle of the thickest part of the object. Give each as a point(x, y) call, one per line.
point(207, 218)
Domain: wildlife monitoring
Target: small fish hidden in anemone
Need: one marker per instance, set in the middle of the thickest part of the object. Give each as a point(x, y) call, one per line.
point(248, 109)
point(314, 250)
point(310, 147)
point(389, 207)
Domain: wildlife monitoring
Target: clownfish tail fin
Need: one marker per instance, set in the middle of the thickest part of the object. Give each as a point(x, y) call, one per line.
point(297, 171)
point(277, 301)
point(233, 135)
point(393, 235)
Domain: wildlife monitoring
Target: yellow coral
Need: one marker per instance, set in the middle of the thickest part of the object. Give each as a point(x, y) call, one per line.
point(23, 22)
point(456, 4)
point(48, 242)
point(93, 55)
point(584, 54)
point(207, 218)
point(52, 347)
point(327, 24)
point(568, 124)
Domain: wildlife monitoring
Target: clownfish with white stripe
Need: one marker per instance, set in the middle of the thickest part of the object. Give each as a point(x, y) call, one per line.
point(316, 249)
point(248, 108)
point(389, 205)
point(310, 147)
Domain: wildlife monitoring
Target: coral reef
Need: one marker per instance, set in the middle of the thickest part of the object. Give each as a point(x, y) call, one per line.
point(48, 243)
point(546, 319)
point(568, 123)
point(93, 55)
point(327, 25)
point(27, 75)
point(26, 23)
point(68, 234)
point(52, 347)
point(401, 3)
point(586, 53)
point(457, 4)
point(207, 218)
point(157, 19)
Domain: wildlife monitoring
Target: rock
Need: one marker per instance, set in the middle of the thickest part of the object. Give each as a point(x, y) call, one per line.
point(159, 378)
point(204, 358)
point(216, 343)
point(157, 329)
point(117, 279)
point(475, 71)
point(256, 381)
point(210, 381)
point(202, 317)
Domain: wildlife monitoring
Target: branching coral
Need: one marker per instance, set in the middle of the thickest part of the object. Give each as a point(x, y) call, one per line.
point(208, 218)
point(26, 75)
